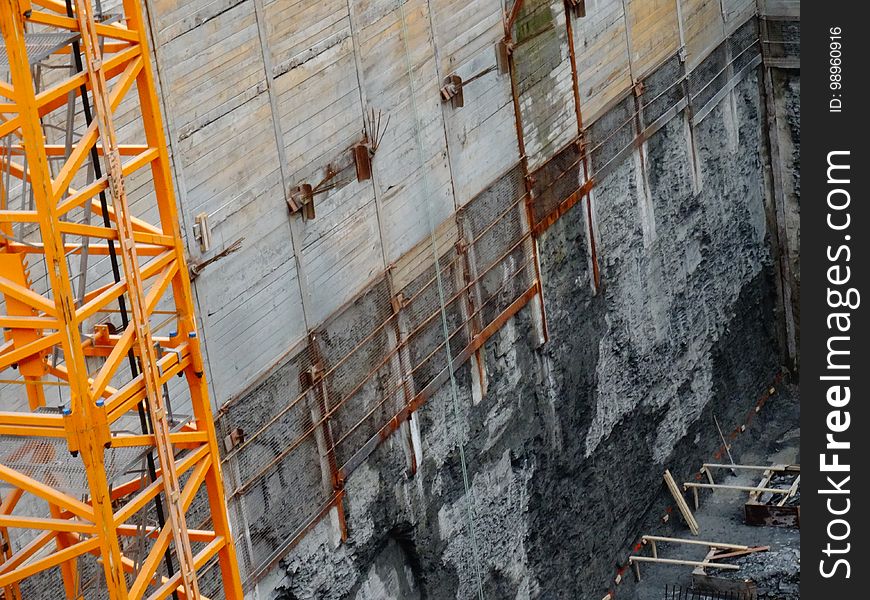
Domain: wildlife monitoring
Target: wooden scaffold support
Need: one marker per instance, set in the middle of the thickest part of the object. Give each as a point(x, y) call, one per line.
point(709, 562)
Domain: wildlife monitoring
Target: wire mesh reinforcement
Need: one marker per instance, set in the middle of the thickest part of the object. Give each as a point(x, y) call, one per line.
point(304, 426)
point(310, 417)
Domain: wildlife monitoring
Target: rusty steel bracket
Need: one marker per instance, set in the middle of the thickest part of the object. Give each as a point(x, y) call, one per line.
point(639, 88)
point(301, 200)
point(398, 302)
point(451, 91)
point(512, 16)
point(363, 152)
point(576, 7)
point(503, 50)
point(453, 86)
point(314, 374)
point(202, 232)
point(196, 268)
point(234, 438)
point(102, 331)
point(362, 160)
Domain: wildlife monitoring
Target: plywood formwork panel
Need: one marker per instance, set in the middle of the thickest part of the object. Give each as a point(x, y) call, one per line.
point(482, 134)
point(411, 167)
point(654, 33)
point(251, 298)
point(543, 73)
point(464, 29)
point(320, 116)
point(319, 113)
point(736, 13)
point(226, 155)
point(230, 163)
point(703, 28)
point(212, 68)
point(176, 17)
point(603, 67)
point(341, 249)
point(298, 30)
point(250, 301)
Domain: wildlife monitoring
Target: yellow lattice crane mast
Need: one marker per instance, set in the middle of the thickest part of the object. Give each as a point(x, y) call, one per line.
point(97, 313)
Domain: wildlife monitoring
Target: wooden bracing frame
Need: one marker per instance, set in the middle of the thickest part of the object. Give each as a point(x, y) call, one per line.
point(47, 333)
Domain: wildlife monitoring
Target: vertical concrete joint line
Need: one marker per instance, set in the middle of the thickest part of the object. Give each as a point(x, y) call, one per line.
point(363, 100)
point(295, 240)
point(584, 158)
point(541, 322)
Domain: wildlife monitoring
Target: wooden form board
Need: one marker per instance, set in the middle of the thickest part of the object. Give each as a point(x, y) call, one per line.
point(681, 503)
point(544, 79)
point(227, 161)
point(481, 136)
point(341, 250)
point(465, 29)
point(603, 66)
point(298, 31)
point(736, 12)
point(320, 117)
point(250, 300)
point(212, 69)
point(175, 17)
point(411, 168)
point(653, 33)
point(703, 27)
point(251, 295)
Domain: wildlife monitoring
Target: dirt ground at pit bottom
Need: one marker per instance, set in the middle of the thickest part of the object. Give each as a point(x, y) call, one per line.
point(772, 438)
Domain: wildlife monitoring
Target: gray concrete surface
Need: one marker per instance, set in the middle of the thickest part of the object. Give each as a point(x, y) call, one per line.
point(566, 450)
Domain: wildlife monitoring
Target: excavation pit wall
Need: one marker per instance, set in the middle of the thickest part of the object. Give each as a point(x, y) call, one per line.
point(564, 442)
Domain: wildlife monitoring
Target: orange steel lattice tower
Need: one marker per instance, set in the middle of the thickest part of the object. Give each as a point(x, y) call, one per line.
point(98, 339)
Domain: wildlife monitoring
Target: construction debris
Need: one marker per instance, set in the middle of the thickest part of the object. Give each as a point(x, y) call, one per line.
point(681, 503)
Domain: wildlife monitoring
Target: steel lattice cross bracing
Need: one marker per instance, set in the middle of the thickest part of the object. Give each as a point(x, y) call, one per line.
point(82, 491)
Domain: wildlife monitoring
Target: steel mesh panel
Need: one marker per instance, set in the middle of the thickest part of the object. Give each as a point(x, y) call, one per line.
point(556, 180)
point(744, 44)
point(276, 472)
point(609, 136)
point(359, 344)
point(662, 90)
point(783, 39)
point(501, 258)
point(708, 78)
point(423, 322)
point(210, 583)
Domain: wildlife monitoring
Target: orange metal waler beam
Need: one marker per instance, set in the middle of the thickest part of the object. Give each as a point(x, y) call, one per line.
point(68, 400)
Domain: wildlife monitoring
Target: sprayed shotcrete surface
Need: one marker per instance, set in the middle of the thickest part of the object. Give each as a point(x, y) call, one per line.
point(566, 450)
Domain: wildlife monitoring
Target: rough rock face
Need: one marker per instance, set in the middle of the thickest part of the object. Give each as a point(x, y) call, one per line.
point(787, 88)
point(565, 452)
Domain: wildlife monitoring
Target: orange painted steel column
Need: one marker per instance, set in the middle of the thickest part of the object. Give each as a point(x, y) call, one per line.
point(49, 328)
